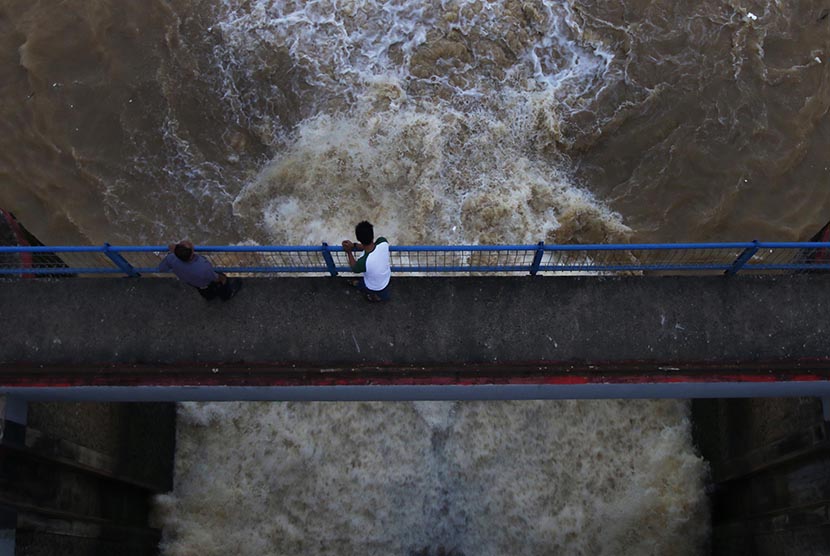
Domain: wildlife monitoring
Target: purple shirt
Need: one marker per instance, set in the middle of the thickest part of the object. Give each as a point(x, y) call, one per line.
point(197, 271)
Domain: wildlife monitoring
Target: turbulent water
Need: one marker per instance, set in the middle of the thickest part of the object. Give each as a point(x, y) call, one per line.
point(436, 478)
point(442, 122)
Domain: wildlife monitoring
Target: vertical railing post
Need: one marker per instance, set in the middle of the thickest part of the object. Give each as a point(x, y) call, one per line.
point(743, 258)
point(329, 260)
point(8, 530)
point(120, 261)
point(537, 258)
point(14, 416)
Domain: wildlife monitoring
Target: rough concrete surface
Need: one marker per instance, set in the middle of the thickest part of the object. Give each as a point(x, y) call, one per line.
point(141, 437)
point(428, 321)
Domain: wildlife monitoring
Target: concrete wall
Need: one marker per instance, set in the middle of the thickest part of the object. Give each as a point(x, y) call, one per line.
point(770, 475)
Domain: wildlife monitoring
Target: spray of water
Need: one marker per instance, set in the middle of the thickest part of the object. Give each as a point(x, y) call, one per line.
point(439, 120)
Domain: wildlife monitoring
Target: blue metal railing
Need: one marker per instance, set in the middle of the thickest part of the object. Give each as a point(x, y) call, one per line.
point(703, 258)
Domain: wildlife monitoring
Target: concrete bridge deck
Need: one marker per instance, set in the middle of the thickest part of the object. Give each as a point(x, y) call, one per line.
point(683, 334)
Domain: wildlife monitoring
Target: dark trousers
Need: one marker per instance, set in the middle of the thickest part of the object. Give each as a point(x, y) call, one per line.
point(382, 294)
point(217, 289)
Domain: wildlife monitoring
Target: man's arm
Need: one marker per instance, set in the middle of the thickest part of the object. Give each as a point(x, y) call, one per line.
point(164, 266)
point(349, 248)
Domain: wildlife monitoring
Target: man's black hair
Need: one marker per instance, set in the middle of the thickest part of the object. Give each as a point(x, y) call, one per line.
point(365, 233)
point(183, 252)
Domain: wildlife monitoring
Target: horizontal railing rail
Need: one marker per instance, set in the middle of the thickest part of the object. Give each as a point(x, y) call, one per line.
point(595, 259)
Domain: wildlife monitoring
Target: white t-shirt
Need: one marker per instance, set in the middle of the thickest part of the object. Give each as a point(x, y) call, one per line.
point(376, 266)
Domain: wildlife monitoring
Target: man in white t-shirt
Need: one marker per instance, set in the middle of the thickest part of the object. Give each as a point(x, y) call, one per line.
point(374, 264)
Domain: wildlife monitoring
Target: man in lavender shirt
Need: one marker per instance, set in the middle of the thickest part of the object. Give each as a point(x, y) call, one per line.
point(195, 270)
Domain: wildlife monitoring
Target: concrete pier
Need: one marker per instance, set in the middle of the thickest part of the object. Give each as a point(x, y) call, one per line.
point(77, 479)
point(770, 474)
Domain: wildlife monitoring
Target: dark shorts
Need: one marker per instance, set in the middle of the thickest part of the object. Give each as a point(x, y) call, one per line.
point(382, 294)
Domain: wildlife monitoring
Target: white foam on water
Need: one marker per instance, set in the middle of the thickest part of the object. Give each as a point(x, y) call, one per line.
point(575, 477)
point(424, 176)
point(428, 116)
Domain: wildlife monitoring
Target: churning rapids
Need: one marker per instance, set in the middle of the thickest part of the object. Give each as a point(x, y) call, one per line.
point(443, 121)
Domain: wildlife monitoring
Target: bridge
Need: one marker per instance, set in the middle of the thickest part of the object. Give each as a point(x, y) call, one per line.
point(577, 321)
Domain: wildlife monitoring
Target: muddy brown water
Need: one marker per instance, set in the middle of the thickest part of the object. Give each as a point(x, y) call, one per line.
point(444, 122)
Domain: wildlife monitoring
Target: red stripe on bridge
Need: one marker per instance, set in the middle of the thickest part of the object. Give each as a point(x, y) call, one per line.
point(385, 374)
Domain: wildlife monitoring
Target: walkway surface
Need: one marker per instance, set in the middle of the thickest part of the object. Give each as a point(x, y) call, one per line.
point(128, 331)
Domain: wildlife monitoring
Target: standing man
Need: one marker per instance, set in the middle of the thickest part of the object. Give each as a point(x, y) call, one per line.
point(374, 264)
point(197, 271)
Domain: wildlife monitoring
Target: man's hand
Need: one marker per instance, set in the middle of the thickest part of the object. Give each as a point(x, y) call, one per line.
point(347, 247)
